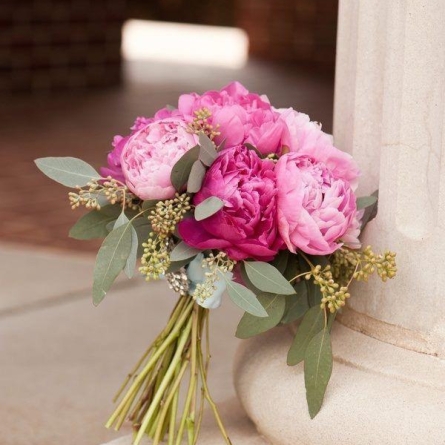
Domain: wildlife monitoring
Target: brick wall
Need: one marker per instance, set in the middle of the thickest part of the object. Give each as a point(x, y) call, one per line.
point(56, 44)
point(290, 30)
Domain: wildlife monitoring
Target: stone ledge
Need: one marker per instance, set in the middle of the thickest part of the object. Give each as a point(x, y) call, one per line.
point(373, 398)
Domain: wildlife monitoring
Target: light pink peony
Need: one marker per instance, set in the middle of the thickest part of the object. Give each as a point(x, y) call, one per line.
point(149, 155)
point(316, 206)
point(246, 226)
point(114, 168)
point(306, 138)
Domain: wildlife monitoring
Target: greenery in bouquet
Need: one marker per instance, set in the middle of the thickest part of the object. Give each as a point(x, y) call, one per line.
point(224, 194)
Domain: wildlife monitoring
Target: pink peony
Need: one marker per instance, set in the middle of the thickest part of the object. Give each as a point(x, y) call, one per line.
point(239, 116)
point(149, 155)
point(114, 168)
point(306, 138)
point(246, 226)
point(316, 207)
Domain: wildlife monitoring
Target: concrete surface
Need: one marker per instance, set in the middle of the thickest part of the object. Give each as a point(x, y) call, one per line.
point(62, 359)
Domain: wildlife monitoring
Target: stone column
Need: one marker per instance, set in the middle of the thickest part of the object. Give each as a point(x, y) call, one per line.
point(388, 382)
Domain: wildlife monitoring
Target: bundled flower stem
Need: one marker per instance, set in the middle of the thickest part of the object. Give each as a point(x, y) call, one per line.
point(152, 401)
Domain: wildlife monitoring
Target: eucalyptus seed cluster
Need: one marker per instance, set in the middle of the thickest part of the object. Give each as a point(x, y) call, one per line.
point(359, 265)
point(111, 189)
point(156, 257)
point(334, 295)
point(384, 264)
point(200, 124)
point(167, 214)
point(215, 265)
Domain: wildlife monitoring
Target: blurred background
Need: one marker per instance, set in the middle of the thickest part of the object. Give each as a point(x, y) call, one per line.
point(73, 73)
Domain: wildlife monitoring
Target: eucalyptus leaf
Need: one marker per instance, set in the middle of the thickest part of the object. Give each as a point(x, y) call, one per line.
point(317, 370)
point(143, 229)
point(181, 170)
point(251, 325)
point(296, 305)
point(207, 153)
point(149, 204)
point(246, 281)
point(370, 212)
point(314, 294)
point(130, 265)
point(366, 201)
point(111, 259)
point(71, 172)
point(208, 207)
point(267, 278)
point(94, 224)
point(280, 261)
point(196, 177)
point(183, 251)
point(176, 265)
point(312, 324)
point(244, 298)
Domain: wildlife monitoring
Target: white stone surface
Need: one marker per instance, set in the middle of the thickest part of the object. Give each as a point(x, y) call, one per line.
point(389, 113)
point(376, 395)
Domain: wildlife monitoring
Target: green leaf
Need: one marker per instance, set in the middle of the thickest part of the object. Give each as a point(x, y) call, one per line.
point(207, 153)
point(94, 224)
point(317, 370)
point(296, 305)
point(312, 324)
point(244, 298)
point(366, 201)
point(246, 282)
point(251, 325)
point(267, 278)
point(280, 261)
point(71, 172)
point(314, 294)
point(149, 204)
point(143, 229)
point(208, 207)
point(183, 251)
point(111, 259)
point(196, 177)
point(130, 265)
point(181, 170)
point(176, 265)
point(370, 212)
point(251, 147)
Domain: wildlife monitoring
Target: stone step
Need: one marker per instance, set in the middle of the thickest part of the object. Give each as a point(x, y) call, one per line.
point(240, 429)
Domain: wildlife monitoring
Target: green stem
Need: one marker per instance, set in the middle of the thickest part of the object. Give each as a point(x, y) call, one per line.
point(158, 396)
point(172, 394)
point(153, 360)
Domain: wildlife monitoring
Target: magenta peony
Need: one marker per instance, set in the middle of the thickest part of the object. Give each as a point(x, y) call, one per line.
point(246, 226)
point(149, 155)
point(316, 208)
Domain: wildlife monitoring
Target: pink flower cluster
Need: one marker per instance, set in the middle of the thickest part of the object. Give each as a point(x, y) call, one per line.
point(299, 194)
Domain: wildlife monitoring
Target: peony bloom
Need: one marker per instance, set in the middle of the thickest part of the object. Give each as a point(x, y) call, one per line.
point(239, 116)
point(246, 226)
point(149, 155)
point(114, 168)
point(305, 137)
point(316, 208)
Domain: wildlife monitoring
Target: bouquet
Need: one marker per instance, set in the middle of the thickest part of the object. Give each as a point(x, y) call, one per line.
point(223, 193)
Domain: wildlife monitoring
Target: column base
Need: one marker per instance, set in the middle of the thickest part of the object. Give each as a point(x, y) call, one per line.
point(378, 393)
point(240, 429)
